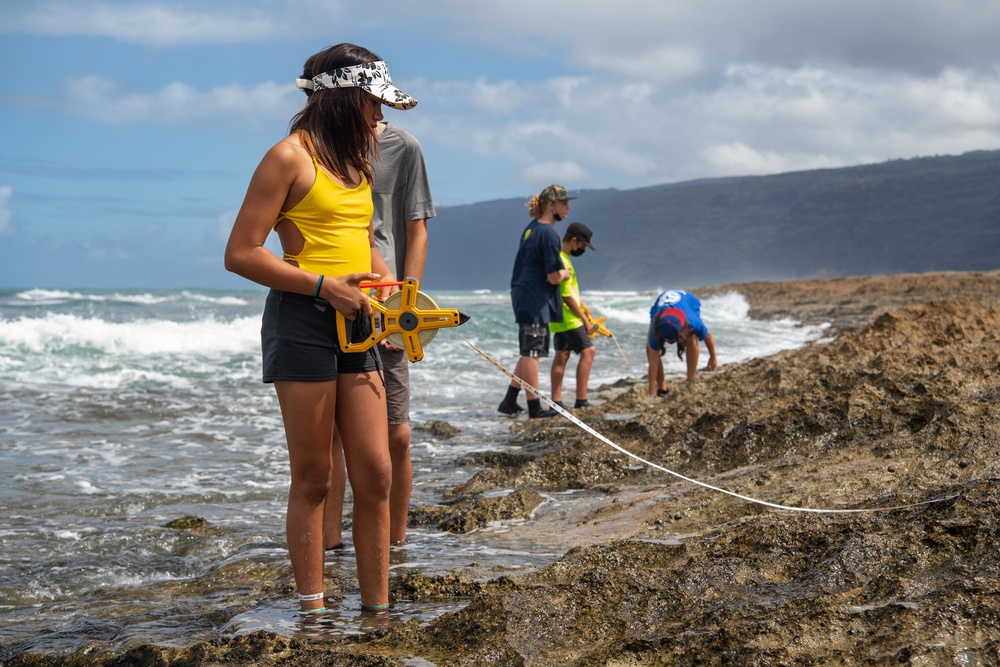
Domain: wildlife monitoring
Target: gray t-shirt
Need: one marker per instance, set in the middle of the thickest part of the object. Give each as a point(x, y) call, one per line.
point(401, 193)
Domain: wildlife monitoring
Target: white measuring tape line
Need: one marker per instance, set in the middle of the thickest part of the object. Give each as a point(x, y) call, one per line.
point(568, 415)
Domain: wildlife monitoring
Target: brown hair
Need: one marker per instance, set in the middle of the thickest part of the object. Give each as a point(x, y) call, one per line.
point(333, 125)
point(682, 338)
point(535, 206)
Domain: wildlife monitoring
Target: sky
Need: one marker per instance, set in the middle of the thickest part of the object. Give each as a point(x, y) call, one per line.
point(129, 130)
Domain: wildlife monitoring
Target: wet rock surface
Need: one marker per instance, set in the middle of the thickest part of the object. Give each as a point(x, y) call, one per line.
point(850, 303)
point(900, 414)
point(438, 427)
point(469, 513)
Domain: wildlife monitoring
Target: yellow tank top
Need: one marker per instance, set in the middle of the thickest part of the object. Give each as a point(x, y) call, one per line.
point(333, 221)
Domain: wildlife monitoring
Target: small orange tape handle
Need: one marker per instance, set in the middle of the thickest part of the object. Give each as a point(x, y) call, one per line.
point(374, 285)
point(599, 327)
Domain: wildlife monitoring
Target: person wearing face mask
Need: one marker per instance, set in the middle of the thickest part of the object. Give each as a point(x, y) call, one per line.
point(534, 293)
point(573, 333)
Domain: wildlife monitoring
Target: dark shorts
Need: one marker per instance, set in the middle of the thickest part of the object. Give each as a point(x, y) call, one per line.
point(533, 340)
point(574, 340)
point(298, 340)
point(397, 385)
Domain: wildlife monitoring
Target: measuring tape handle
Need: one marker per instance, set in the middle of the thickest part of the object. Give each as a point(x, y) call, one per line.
point(375, 285)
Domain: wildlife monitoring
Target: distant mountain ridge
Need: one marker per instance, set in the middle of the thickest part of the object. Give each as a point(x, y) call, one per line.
point(901, 216)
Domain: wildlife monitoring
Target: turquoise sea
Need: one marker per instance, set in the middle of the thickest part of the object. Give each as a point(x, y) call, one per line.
point(121, 411)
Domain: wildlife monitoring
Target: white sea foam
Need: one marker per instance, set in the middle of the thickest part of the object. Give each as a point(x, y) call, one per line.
point(624, 314)
point(84, 486)
point(43, 296)
point(726, 307)
point(76, 351)
point(218, 300)
point(57, 332)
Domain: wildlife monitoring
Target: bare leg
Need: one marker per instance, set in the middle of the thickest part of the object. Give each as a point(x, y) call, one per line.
point(558, 372)
point(307, 409)
point(527, 370)
point(518, 371)
point(402, 481)
point(333, 513)
point(692, 351)
point(363, 427)
point(655, 375)
point(583, 372)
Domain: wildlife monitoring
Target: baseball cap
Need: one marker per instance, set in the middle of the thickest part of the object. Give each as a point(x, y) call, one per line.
point(580, 231)
point(554, 193)
point(670, 323)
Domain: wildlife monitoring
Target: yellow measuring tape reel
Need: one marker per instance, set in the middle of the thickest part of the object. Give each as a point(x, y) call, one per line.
point(410, 320)
point(599, 327)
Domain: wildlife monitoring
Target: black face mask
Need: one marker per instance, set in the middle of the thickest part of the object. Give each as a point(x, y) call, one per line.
point(577, 252)
point(557, 216)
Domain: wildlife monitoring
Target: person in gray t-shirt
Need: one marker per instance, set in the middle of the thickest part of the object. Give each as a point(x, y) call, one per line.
point(402, 198)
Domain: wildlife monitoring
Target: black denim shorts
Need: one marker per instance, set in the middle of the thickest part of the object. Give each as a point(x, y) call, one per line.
point(574, 340)
point(298, 340)
point(533, 339)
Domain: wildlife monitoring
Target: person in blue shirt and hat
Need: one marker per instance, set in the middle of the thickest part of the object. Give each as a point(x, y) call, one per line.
point(534, 293)
point(676, 318)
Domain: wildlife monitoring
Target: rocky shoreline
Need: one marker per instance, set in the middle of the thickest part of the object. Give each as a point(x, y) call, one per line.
point(900, 410)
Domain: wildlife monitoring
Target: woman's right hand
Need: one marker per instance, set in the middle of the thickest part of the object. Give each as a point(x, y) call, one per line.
point(345, 294)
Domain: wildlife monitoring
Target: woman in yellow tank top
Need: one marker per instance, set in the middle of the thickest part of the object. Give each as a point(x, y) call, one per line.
point(314, 189)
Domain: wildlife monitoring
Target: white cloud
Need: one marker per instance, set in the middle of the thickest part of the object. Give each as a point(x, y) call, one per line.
point(659, 63)
point(153, 24)
point(752, 120)
point(653, 91)
point(738, 158)
point(6, 215)
point(623, 94)
point(108, 101)
point(500, 98)
point(681, 36)
point(554, 172)
point(958, 97)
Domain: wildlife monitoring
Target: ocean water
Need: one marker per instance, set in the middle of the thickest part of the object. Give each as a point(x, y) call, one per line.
point(123, 410)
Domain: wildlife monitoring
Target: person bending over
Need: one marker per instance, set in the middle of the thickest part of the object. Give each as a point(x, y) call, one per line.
point(675, 318)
